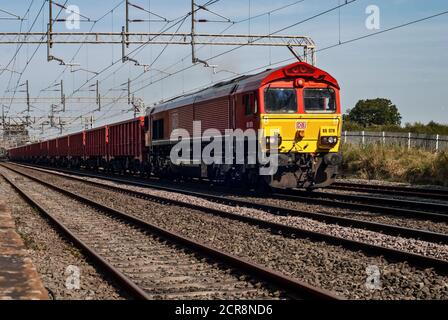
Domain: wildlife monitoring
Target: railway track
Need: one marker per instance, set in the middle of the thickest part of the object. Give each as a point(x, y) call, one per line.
point(151, 262)
point(377, 205)
point(436, 194)
point(419, 260)
point(402, 208)
point(389, 229)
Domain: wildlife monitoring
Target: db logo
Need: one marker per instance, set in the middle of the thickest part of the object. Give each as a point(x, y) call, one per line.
point(301, 125)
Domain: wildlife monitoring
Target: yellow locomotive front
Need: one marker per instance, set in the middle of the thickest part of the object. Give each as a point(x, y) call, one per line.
point(301, 118)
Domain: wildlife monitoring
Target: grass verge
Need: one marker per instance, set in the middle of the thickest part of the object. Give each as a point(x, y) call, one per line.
point(377, 162)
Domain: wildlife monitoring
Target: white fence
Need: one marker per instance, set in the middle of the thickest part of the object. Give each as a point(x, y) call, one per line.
point(408, 140)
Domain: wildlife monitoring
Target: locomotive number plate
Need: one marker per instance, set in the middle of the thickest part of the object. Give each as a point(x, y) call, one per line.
point(301, 125)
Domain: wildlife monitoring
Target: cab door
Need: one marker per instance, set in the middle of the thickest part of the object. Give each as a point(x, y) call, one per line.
point(247, 111)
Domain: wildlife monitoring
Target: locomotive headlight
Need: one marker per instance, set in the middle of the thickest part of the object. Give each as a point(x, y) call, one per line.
point(274, 140)
point(329, 140)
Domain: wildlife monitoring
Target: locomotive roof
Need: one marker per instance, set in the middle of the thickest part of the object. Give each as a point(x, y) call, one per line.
point(241, 84)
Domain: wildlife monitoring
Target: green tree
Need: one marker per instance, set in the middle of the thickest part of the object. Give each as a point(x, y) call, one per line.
point(374, 112)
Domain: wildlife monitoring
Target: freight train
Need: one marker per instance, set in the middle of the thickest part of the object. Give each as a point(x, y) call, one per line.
point(294, 110)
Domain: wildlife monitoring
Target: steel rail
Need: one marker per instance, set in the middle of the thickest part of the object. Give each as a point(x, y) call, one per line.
point(412, 204)
point(393, 230)
point(393, 190)
point(282, 281)
point(393, 254)
point(375, 205)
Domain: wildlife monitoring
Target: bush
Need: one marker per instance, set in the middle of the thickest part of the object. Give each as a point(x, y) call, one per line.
point(395, 164)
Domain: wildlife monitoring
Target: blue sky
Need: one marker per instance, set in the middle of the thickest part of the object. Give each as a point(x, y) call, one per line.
point(407, 65)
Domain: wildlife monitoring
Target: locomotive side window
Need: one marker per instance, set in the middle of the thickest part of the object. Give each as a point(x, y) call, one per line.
point(157, 129)
point(280, 100)
point(246, 103)
point(146, 124)
point(250, 104)
point(319, 100)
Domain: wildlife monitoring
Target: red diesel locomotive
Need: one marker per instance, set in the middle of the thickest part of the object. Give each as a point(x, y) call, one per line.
point(297, 107)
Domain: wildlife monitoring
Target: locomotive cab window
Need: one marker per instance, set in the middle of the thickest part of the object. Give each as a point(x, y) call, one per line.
point(280, 100)
point(319, 100)
point(157, 129)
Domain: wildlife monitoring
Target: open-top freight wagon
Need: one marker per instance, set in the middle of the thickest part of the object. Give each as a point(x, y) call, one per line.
point(116, 147)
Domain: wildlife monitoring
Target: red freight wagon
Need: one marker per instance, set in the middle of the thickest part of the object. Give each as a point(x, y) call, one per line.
point(26, 151)
point(53, 148)
point(63, 146)
point(22, 152)
point(16, 153)
point(96, 142)
point(126, 143)
point(44, 149)
point(35, 150)
point(127, 138)
point(77, 144)
point(12, 153)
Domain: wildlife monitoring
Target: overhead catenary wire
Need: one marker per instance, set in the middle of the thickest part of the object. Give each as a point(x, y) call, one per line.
point(66, 67)
point(252, 17)
point(138, 49)
point(258, 38)
point(340, 42)
point(269, 11)
point(115, 62)
point(245, 20)
point(335, 45)
point(8, 86)
point(384, 31)
point(239, 22)
point(191, 66)
point(16, 17)
point(21, 45)
point(32, 57)
point(297, 23)
point(81, 46)
point(82, 115)
point(88, 80)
